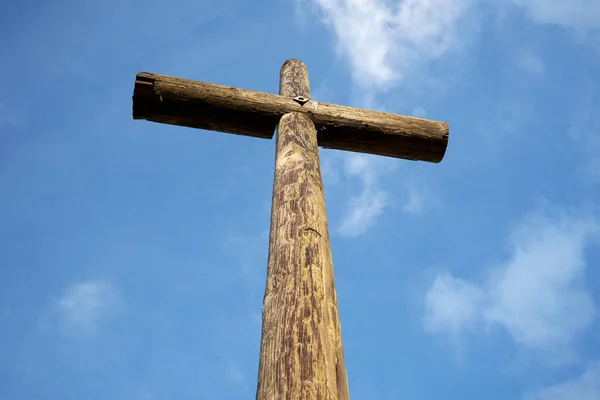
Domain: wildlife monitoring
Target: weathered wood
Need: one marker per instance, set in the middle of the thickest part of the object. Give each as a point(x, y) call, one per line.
point(208, 106)
point(301, 354)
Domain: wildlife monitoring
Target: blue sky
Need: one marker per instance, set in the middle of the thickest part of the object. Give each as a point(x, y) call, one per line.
point(133, 254)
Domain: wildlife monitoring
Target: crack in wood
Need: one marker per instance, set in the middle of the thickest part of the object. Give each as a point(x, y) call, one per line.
point(308, 228)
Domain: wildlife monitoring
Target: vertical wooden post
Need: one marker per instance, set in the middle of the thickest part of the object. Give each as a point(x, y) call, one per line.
point(301, 353)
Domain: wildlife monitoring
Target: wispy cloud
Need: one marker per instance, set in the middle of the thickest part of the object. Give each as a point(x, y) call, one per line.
point(369, 204)
point(537, 295)
point(584, 387)
point(452, 304)
point(362, 210)
point(416, 199)
point(385, 40)
point(84, 304)
point(576, 14)
point(382, 39)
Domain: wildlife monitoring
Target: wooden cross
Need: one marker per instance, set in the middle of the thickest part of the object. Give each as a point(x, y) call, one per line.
point(301, 353)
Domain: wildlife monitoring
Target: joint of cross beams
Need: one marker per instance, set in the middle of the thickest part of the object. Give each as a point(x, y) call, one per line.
point(301, 100)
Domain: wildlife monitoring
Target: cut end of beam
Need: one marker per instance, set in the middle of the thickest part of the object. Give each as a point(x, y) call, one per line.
point(143, 93)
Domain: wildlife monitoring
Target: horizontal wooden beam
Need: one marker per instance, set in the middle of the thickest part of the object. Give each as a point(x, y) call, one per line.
point(214, 107)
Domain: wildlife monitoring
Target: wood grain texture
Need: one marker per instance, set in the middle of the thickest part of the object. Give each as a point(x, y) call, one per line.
point(208, 106)
point(301, 354)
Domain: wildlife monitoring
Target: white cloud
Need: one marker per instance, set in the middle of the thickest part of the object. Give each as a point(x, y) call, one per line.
point(416, 200)
point(451, 304)
point(577, 14)
point(363, 209)
point(537, 295)
point(384, 38)
point(358, 164)
point(83, 305)
point(370, 203)
point(584, 387)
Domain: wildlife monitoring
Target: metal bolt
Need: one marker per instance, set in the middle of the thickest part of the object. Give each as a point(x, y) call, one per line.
point(300, 100)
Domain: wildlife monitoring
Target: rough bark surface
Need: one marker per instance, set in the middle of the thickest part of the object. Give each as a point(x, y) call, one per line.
point(301, 354)
point(208, 106)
